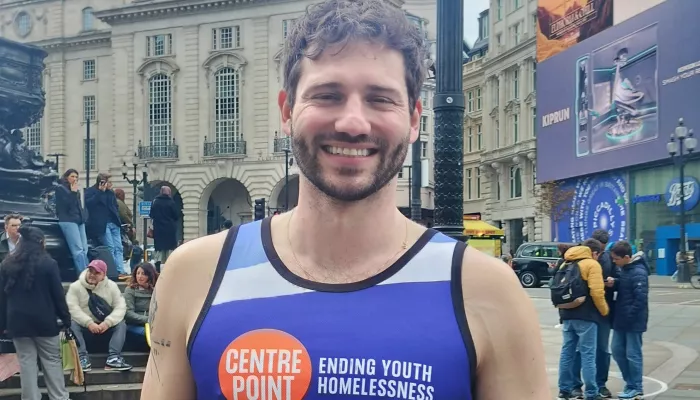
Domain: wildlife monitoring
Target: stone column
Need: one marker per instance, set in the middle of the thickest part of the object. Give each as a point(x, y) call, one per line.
point(55, 112)
point(487, 106)
point(189, 139)
point(524, 110)
point(123, 118)
point(501, 112)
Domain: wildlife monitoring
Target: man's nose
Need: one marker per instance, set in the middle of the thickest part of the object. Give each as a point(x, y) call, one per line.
point(353, 119)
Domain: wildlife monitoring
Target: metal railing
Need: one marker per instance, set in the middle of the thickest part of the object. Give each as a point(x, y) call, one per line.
point(282, 144)
point(159, 151)
point(224, 148)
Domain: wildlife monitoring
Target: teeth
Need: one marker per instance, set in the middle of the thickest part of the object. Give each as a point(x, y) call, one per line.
point(348, 152)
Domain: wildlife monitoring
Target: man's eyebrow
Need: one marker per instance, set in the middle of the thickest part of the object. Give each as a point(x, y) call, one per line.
point(337, 86)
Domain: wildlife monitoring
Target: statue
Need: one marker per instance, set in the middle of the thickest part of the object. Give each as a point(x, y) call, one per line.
point(27, 182)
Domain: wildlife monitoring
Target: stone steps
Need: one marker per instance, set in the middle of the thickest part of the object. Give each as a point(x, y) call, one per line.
point(99, 384)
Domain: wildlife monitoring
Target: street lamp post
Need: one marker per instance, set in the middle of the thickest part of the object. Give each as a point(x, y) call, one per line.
point(682, 144)
point(287, 163)
point(135, 182)
point(57, 156)
point(449, 112)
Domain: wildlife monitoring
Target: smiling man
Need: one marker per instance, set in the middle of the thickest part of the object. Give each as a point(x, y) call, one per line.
point(344, 297)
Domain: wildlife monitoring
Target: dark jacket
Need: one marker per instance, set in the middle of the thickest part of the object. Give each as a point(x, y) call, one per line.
point(68, 205)
point(632, 305)
point(165, 215)
point(609, 270)
point(103, 209)
point(138, 302)
point(34, 312)
point(595, 306)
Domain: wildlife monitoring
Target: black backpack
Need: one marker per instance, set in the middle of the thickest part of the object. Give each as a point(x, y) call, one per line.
point(568, 289)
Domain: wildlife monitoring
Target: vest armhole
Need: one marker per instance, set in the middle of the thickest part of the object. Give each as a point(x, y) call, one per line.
point(221, 266)
point(460, 313)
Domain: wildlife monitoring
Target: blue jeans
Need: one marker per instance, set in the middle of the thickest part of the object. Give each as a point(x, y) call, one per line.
point(627, 352)
point(77, 243)
point(137, 329)
point(581, 335)
point(602, 358)
point(113, 239)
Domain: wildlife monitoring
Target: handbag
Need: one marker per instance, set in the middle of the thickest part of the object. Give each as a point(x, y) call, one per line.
point(150, 233)
point(70, 357)
point(6, 345)
point(98, 306)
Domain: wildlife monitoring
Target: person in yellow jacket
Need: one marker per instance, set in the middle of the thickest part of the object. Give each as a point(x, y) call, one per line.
point(580, 324)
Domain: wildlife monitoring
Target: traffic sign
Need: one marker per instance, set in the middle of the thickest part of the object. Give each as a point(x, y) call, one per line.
point(144, 208)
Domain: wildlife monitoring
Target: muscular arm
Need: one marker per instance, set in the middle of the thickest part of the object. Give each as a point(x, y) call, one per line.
point(175, 305)
point(506, 332)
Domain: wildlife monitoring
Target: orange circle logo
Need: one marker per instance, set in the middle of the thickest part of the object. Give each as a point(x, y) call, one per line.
point(265, 364)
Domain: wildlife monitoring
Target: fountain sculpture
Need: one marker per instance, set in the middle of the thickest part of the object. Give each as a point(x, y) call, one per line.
point(27, 181)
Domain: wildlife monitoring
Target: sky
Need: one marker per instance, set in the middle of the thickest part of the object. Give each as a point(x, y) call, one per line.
point(472, 8)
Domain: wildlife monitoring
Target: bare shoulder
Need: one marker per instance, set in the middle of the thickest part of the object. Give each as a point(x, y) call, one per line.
point(505, 329)
point(177, 301)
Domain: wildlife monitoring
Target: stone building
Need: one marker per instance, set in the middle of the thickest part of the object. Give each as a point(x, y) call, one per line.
point(187, 87)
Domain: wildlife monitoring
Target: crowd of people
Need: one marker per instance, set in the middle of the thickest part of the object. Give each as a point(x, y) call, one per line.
point(610, 287)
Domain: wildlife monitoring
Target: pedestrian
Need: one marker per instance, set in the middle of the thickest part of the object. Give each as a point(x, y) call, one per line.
point(580, 323)
point(104, 222)
point(631, 317)
point(31, 304)
point(164, 216)
point(72, 218)
point(10, 237)
point(344, 277)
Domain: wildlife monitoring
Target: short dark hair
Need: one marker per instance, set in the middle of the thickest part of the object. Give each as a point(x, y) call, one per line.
point(621, 248)
point(601, 235)
point(338, 22)
point(563, 247)
point(228, 224)
point(594, 245)
point(8, 217)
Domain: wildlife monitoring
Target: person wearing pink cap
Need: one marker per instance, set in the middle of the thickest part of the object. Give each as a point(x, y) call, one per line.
point(96, 305)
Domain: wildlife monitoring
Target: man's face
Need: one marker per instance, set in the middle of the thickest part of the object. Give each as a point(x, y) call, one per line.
point(620, 261)
point(351, 123)
point(12, 227)
point(94, 277)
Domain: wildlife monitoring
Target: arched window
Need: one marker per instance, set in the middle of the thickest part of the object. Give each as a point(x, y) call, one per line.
point(23, 24)
point(227, 113)
point(32, 136)
point(88, 19)
point(160, 114)
point(516, 183)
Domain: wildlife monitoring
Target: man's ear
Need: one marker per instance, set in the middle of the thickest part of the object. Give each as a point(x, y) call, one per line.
point(415, 120)
point(286, 112)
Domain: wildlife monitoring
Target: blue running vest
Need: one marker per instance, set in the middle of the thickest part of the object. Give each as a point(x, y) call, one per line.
point(265, 333)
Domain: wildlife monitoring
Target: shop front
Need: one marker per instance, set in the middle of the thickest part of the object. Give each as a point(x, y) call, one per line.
point(655, 213)
point(483, 236)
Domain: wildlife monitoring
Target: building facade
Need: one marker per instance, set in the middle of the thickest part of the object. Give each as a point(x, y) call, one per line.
point(188, 88)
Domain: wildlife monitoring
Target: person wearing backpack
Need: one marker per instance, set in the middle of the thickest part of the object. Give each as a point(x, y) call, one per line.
point(578, 292)
point(96, 305)
point(602, 359)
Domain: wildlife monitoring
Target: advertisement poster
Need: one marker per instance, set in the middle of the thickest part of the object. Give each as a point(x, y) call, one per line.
point(613, 100)
point(563, 23)
point(597, 203)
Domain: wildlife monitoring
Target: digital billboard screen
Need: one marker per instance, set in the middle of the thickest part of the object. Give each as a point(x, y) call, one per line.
point(613, 100)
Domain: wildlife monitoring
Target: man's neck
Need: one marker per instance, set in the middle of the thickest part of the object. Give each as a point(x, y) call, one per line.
point(331, 234)
point(13, 238)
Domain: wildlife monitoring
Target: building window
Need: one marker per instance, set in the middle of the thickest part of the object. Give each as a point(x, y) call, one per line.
point(515, 33)
point(89, 108)
point(159, 45)
point(496, 89)
point(287, 26)
point(517, 4)
point(160, 116)
point(23, 23)
point(516, 84)
point(534, 122)
point(534, 175)
point(228, 108)
point(499, 40)
point(424, 98)
point(499, 10)
point(478, 99)
point(469, 140)
point(534, 76)
point(478, 183)
point(470, 101)
point(485, 27)
point(516, 132)
point(226, 38)
point(89, 155)
point(498, 134)
point(88, 70)
point(479, 143)
point(424, 149)
point(423, 123)
point(88, 19)
point(516, 183)
point(468, 183)
point(498, 189)
point(32, 136)
point(534, 22)
point(400, 176)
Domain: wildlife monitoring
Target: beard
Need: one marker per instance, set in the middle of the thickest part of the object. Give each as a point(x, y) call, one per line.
point(390, 163)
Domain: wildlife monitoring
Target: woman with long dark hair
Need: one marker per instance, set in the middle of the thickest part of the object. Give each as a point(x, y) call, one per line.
point(31, 303)
point(138, 297)
point(72, 218)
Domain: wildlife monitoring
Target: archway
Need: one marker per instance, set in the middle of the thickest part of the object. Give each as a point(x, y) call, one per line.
point(156, 185)
point(228, 200)
point(278, 197)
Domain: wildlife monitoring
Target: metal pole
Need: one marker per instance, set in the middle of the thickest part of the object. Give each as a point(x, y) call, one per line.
point(416, 211)
point(87, 155)
point(683, 270)
point(135, 184)
point(286, 178)
point(449, 112)
point(410, 195)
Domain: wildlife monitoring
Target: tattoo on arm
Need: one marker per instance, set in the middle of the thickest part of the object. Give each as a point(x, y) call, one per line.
point(152, 311)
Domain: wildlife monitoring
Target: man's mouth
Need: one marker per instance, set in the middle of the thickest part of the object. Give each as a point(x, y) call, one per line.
point(348, 152)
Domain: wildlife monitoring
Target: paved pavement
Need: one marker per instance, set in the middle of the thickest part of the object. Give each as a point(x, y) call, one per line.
point(672, 343)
